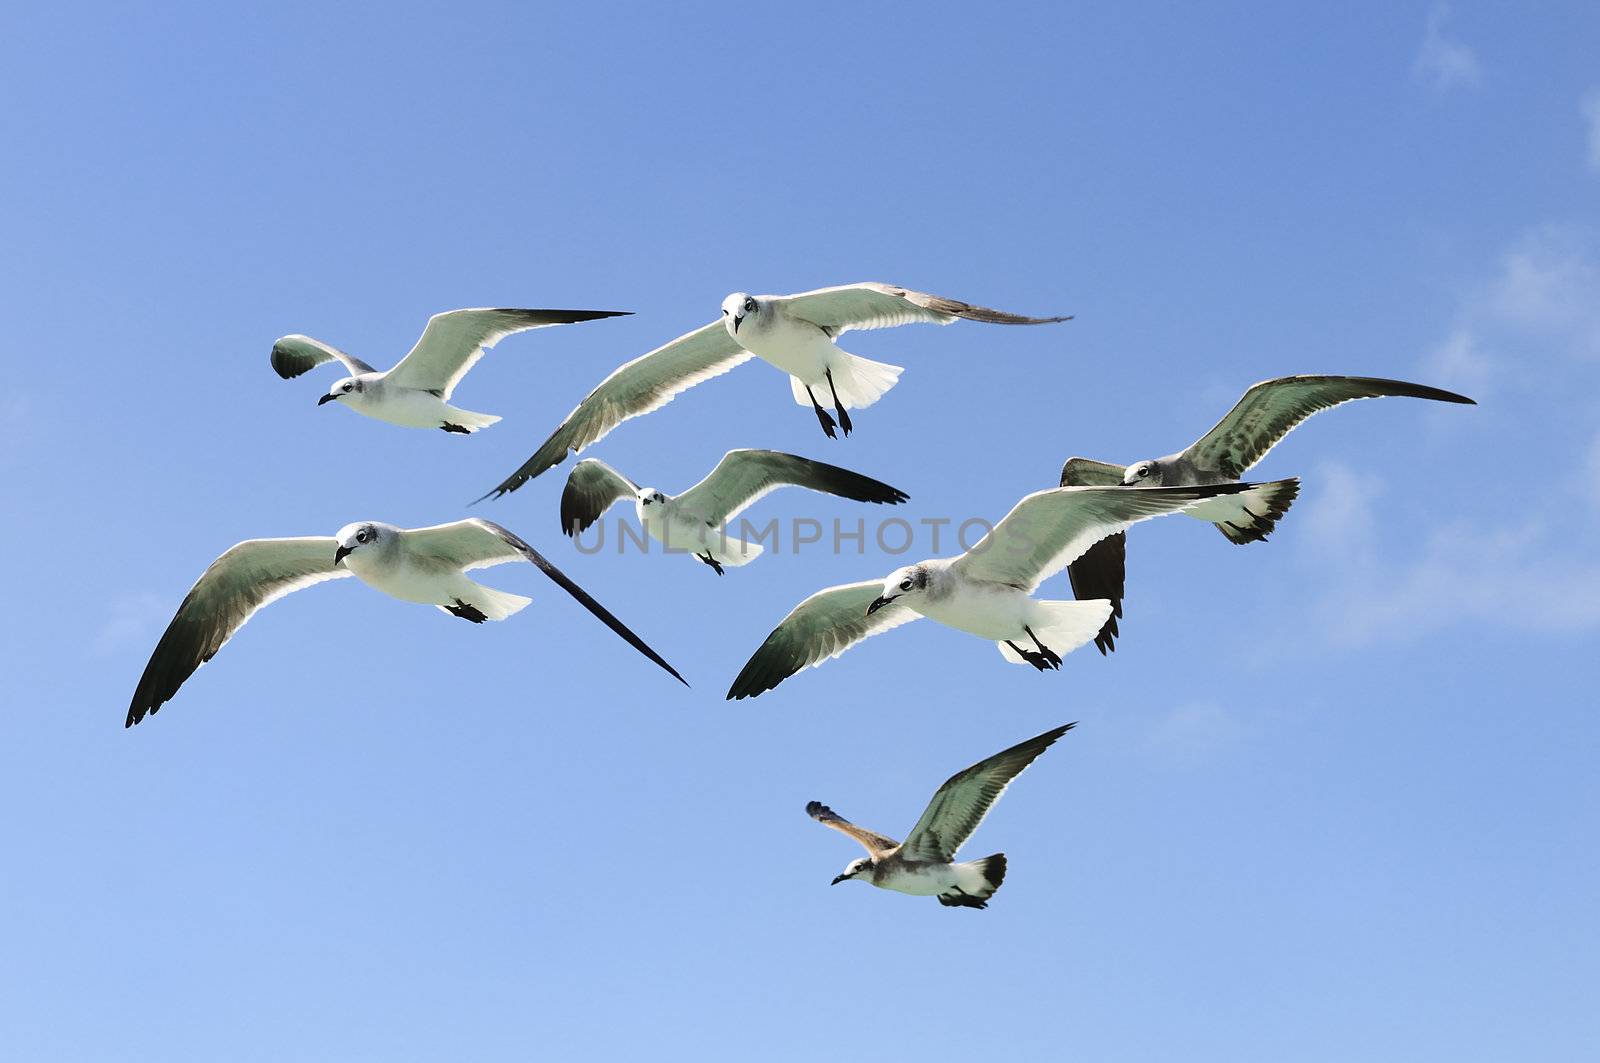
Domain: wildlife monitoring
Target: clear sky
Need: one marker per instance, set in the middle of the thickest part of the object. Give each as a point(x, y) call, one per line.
point(1333, 798)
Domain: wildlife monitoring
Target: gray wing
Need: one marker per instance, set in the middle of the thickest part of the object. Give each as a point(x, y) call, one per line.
point(647, 383)
point(871, 305)
point(1100, 571)
point(875, 844)
point(819, 628)
point(1271, 409)
point(248, 576)
point(1048, 529)
point(293, 355)
point(966, 797)
point(744, 476)
point(453, 342)
point(477, 543)
point(592, 488)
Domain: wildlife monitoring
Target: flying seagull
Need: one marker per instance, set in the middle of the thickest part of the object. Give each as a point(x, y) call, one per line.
point(697, 519)
point(1268, 411)
point(796, 333)
point(416, 392)
point(923, 865)
point(426, 565)
point(986, 592)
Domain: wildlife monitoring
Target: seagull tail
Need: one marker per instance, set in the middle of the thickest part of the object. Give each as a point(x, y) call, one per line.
point(485, 602)
point(976, 882)
point(1061, 626)
point(735, 552)
point(1256, 512)
point(859, 382)
point(466, 420)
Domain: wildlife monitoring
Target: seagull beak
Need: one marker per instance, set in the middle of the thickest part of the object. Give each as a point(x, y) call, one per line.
point(838, 879)
point(339, 554)
point(736, 319)
point(879, 603)
point(326, 398)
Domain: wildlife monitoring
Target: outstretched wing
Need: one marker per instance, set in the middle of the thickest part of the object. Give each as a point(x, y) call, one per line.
point(248, 576)
point(1100, 571)
point(293, 355)
point(1048, 529)
point(871, 305)
point(743, 476)
point(966, 797)
point(1271, 409)
point(647, 383)
point(876, 844)
point(477, 543)
point(592, 488)
point(453, 342)
point(821, 627)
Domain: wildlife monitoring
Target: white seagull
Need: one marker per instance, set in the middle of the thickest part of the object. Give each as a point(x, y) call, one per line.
point(986, 592)
point(696, 520)
point(425, 565)
point(795, 333)
point(1268, 411)
point(923, 865)
point(416, 392)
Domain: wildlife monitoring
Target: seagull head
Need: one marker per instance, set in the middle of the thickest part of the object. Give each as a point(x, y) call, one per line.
point(856, 869)
point(1143, 474)
point(342, 391)
point(737, 307)
point(902, 582)
point(353, 537)
point(648, 500)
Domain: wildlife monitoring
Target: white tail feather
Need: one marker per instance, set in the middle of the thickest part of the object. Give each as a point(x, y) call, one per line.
point(859, 382)
point(493, 604)
point(1061, 626)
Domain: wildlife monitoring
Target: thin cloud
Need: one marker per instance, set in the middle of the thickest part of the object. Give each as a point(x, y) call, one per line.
point(1589, 106)
point(1442, 61)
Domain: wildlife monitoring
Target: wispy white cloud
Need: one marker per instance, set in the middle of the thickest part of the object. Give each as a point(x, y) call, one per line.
point(1442, 61)
point(1461, 364)
point(1589, 107)
point(135, 618)
point(1197, 730)
point(1549, 287)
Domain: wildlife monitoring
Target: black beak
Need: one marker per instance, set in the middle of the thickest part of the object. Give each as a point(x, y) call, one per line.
point(736, 319)
point(339, 554)
point(326, 398)
point(879, 603)
point(838, 880)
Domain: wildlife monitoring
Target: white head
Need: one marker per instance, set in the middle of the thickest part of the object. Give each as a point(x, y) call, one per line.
point(856, 869)
point(365, 536)
point(1144, 474)
point(736, 308)
point(350, 388)
point(647, 500)
point(910, 582)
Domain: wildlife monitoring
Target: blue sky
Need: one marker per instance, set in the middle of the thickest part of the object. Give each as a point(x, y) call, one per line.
point(1334, 796)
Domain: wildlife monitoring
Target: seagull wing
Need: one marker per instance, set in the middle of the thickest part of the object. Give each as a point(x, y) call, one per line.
point(1100, 571)
point(823, 626)
point(966, 797)
point(248, 576)
point(871, 305)
point(592, 488)
point(455, 340)
point(478, 543)
point(297, 354)
point(876, 844)
point(1271, 409)
point(1048, 529)
point(744, 476)
point(647, 383)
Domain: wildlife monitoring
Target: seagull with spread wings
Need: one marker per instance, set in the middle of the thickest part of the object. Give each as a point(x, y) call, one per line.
point(425, 565)
point(988, 591)
point(795, 333)
point(697, 519)
point(1268, 411)
point(416, 392)
point(923, 865)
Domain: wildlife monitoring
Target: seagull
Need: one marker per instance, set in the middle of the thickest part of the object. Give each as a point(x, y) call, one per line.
point(416, 392)
point(425, 565)
point(922, 865)
point(697, 519)
point(796, 333)
point(1268, 411)
point(986, 592)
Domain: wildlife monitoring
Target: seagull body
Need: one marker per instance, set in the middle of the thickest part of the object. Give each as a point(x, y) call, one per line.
point(416, 392)
point(924, 864)
point(987, 592)
point(697, 519)
point(1266, 413)
point(423, 565)
point(794, 333)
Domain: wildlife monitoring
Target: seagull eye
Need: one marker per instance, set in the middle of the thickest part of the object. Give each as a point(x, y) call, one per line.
point(361, 536)
point(905, 584)
point(749, 306)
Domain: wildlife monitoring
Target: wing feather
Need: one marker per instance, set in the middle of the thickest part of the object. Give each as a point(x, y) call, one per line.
point(1101, 570)
point(871, 305)
point(454, 340)
point(743, 477)
point(293, 355)
point(592, 488)
point(876, 845)
point(819, 628)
